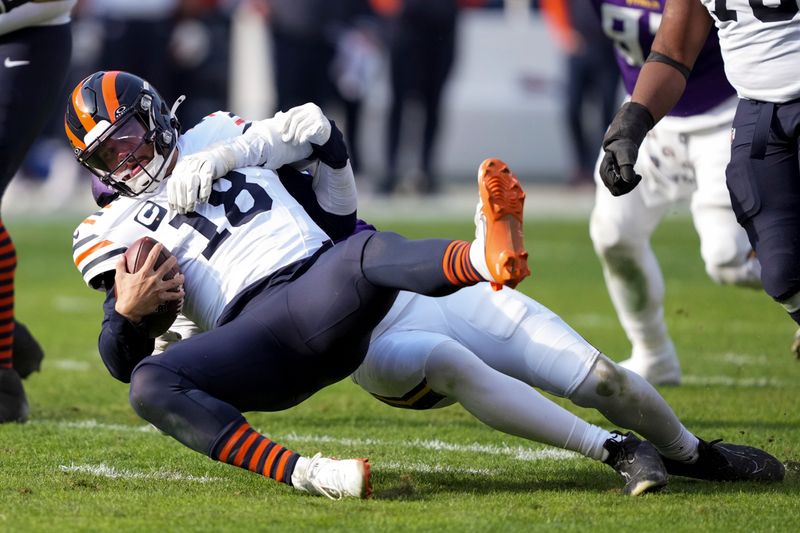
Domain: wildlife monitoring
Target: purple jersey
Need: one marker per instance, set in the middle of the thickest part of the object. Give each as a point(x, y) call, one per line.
point(632, 25)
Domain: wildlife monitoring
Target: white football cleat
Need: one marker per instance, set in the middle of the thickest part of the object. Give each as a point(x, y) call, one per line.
point(660, 368)
point(333, 478)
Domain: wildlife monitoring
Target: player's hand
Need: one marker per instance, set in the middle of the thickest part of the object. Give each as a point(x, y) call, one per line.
point(305, 123)
point(141, 293)
point(621, 144)
point(190, 182)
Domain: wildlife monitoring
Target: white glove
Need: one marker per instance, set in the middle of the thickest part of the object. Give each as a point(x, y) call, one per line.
point(190, 182)
point(303, 124)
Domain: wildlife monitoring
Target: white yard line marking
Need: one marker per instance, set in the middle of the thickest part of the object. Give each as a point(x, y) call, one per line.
point(103, 470)
point(728, 381)
point(70, 364)
point(424, 468)
point(740, 359)
point(517, 452)
point(520, 453)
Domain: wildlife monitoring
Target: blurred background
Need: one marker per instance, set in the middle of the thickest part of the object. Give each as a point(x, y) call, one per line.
point(423, 89)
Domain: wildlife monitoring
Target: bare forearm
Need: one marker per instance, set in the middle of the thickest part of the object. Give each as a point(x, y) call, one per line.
point(683, 32)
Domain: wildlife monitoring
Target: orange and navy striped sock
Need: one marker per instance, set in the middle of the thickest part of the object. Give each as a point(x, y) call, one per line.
point(457, 266)
point(244, 447)
point(8, 267)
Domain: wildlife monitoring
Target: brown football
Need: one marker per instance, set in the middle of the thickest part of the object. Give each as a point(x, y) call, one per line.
point(135, 256)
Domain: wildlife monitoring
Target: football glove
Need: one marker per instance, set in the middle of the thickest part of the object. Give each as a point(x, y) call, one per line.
point(191, 180)
point(305, 123)
point(621, 144)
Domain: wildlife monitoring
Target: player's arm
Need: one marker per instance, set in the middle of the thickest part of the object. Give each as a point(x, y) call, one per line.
point(124, 340)
point(300, 133)
point(683, 31)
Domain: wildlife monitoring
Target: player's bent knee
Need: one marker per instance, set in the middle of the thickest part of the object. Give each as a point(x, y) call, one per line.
point(606, 379)
point(451, 366)
point(779, 279)
point(148, 390)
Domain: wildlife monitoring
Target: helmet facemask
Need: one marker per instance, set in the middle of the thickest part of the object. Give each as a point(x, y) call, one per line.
point(133, 154)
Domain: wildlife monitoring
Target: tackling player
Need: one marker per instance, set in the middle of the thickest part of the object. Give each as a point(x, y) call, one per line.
point(277, 332)
point(683, 157)
point(487, 349)
point(35, 44)
point(760, 46)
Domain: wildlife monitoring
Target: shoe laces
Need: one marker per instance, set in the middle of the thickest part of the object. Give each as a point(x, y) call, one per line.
point(323, 474)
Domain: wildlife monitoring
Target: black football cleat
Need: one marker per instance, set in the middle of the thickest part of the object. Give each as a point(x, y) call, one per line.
point(722, 461)
point(637, 462)
point(13, 403)
point(28, 354)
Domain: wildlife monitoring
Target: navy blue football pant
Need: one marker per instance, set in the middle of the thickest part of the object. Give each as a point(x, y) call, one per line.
point(35, 63)
point(288, 342)
point(763, 178)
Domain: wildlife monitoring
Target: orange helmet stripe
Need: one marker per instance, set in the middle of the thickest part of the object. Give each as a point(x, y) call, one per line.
point(110, 94)
point(76, 142)
point(80, 108)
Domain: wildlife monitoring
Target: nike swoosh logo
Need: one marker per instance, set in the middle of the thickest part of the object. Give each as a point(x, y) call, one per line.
point(10, 63)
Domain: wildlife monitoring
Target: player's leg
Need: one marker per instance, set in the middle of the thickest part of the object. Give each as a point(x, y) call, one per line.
point(28, 93)
point(764, 181)
point(620, 228)
point(418, 369)
point(520, 338)
point(197, 390)
point(437, 266)
point(724, 247)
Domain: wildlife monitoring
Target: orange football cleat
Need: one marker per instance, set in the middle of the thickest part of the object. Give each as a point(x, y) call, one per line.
point(501, 207)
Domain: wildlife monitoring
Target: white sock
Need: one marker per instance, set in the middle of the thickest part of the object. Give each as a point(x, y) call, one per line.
point(683, 449)
point(477, 252)
point(299, 473)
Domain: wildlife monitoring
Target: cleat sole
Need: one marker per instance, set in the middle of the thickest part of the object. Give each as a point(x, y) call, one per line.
point(503, 203)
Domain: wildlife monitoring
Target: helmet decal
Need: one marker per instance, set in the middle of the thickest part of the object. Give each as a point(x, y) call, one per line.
point(110, 95)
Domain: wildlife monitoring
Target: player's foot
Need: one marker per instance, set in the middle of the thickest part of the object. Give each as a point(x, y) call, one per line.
point(722, 461)
point(659, 368)
point(13, 403)
point(333, 478)
point(796, 344)
point(498, 252)
point(637, 462)
point(28, 354)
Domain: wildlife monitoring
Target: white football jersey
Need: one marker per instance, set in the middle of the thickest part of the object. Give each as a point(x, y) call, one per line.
point(36, 14)
point(760, 42)
point(255, 228)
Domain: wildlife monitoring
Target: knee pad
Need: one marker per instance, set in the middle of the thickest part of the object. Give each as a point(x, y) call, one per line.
point(149, 383)
point(450, 364)
point(780, 278)
point(727, 264)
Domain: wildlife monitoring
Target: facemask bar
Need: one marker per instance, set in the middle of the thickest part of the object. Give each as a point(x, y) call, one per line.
point(149, 174)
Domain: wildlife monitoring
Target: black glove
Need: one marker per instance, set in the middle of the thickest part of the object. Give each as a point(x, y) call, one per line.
point(334, 152)
point(621, 144)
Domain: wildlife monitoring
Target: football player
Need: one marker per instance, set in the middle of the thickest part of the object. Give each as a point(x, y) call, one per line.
point(35, 44)
point(487, 349)
point(683, 157)
point(276, 330)
point(760, 46)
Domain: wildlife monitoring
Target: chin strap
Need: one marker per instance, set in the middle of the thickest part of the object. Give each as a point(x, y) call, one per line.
point(177, 104)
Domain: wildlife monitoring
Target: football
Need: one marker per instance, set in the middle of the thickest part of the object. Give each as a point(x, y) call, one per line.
point(135, 257)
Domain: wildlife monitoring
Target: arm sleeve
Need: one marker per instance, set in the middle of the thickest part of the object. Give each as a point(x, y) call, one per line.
point(334, 183)
point(299, 185)
point(121, 344)
point(260, 145)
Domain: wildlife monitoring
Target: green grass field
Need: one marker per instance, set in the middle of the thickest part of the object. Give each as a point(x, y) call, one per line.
point(86, 462)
